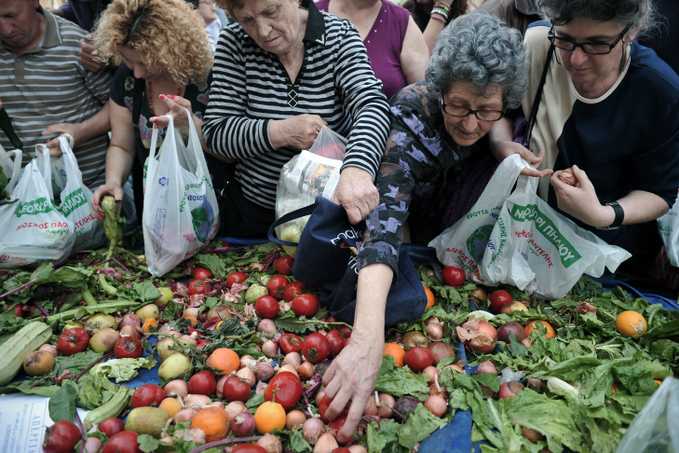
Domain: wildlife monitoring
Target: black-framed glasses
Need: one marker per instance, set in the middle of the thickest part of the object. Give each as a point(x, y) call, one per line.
point(592, 48)
point(460, 111)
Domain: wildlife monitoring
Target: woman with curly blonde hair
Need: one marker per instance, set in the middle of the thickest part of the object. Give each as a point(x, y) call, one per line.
point(164, 60)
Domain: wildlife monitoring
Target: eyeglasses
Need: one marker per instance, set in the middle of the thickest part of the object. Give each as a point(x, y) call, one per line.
point(592, 48)
point(461, 111)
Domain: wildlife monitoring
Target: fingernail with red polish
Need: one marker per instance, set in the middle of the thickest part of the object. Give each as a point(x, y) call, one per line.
point(171, 96)
point(162, 96)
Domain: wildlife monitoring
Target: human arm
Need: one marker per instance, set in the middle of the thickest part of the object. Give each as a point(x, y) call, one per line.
point(502, 146)
point(97, 124)
point(88, 54)
point(414, 54)
point(353, 373)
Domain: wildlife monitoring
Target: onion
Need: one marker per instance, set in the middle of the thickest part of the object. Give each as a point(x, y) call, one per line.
point(49, 348)
point(270, 443)
point(405, 405)
point(195, 401)
point(129, 331)
point(247, 375)
point(288, 367)
point(234, 408)
point(439, 390)
point(325, 444)
point(370, 407)
point(385, 405)
point(164, 329)
point(129, 319)
point(176, 387)
point(312, 429)
point(243, 424)
point(167, 440)
point(248, 361)
point(218, 404)
point(358, 448)
point(294, 419)
point(190, 339)
point(440, 350)
point(270, 349)
point(306, 370)
point(319, 396)
point(432, 373)
point(436, 405)
point(184, 415)
point(257, 266)
point(486, 367)
point(175, 334)
point(537, 383)
point(267, 326)
point(293, 359)
point(92, 445)
point(264, 371)
point(435, 330)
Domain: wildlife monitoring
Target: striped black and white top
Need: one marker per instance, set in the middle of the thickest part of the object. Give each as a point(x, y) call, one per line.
point(48, 85)
point(250, 88)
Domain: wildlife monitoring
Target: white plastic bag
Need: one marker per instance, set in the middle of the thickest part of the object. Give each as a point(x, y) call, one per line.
point(306, 176)
point(11, 168)
point(655, 428)
point(536, 249)
point(668, 227)
point(181, 214)
point(33, 229)
point(463, 244)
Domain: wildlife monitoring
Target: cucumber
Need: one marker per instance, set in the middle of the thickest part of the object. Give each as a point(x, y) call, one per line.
point(18, 346)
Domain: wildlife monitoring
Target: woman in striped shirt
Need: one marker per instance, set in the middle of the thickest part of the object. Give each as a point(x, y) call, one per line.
point(281, 72)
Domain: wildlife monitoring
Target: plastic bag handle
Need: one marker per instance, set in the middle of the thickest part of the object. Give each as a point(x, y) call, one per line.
point(16, 170)
point(301, 212)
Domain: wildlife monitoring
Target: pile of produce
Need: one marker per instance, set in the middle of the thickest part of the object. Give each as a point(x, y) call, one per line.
point(237, 349)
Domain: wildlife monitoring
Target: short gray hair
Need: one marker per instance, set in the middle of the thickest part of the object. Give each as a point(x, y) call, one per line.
point(478, 48)
point(639, 13)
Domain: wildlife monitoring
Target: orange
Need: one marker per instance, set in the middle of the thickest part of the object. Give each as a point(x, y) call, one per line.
point(658, 381)
point(631, 324)
point(549, 330)
point(171, 406)
point(213, 421)
point(269, 415)
point(431, 300)
point(148, 323)
point(396, 351)
point(192, 319)
point(225, 360)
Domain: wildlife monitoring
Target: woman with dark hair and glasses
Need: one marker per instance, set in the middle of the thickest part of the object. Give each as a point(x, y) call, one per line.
point(435, 166)
point(609, 111)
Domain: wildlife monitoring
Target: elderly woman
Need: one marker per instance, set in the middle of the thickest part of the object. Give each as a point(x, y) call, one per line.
point(396, 47)
point(282, 72)
point(161, 70)
point(437, 144)
point(609, 111)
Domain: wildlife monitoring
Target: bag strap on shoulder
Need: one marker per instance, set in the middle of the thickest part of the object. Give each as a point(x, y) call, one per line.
point(139, 85)
point(306, 210)
point(538, 95)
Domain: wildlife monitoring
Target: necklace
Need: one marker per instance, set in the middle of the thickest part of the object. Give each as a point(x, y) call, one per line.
point(149, 90)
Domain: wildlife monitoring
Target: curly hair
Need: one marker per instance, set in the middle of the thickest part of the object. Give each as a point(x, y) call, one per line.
point(639, 13)
point(477, 48)
point(166, 33)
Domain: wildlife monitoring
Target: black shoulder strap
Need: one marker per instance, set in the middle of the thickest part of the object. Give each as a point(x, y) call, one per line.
point(538, 96)
point(139, 85)
point(287, 218)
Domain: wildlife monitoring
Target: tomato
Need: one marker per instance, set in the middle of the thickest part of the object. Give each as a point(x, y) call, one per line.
point(111, 426)
point(123, 442)
point(315, 348)
point(336, 340)
point(128, 348)
point(56, 444)
point(341, 449)
point(235, 277)
point(203, 383)
point(453, 276)
point(62, 437)
point(236, 390)
point(323, 406)
point(287, 387)
point(418, 358)
point(199, 287)
point(345, 331)
point(72, 341)
point(284, 265)
point(267, 307)
point(147, 395)
point(293, 289)
point(336, 425)
point(305, 305)
point(498, 299)
point(276, 286)
point(248, 448)
point(200, 273)
point(290, 342)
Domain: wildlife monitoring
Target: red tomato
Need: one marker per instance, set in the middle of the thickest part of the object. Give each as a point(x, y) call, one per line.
point(453, 276)
point(72, 341)
point(293, 289)
point(341, 449)
point(305, 305)
point(147, 395)
point(203, 383)
point(287, 387)
point(284, 265)
point(111, 426)
point(235, 277)
point(336, 425)
point(290, 342)
point(248, 448)
point(336, 340)
point(345, 331)
point(199, 287)
point(276, 286)
point(323, 406)
point(267, 307)
point(498, 299)
point(200, 273)
point(123, 442)
point(315, 348)
point(128, 348)
point(418, 358)
point(56, 444)
point(236, 390)
point(63, 434)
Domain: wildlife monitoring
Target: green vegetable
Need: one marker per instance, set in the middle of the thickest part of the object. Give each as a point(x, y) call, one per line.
point(113, 224)
point(18, 346)
point(112, 408)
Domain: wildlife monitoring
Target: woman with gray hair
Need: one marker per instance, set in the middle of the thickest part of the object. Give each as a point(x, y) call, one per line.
point(435, 166)
point(609, 111)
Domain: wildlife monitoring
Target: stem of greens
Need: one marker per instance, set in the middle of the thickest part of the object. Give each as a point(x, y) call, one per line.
point(43, 313)
point(82, 431)
point(91, 365)
point(120, 264)
point(89, 299)
point(225, 442)
point(17, 289)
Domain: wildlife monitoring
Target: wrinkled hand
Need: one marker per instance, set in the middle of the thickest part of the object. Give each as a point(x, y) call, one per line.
point(106, 189)
point(351, 378)
point(62, 128)
point(356, 193)
point(88, 53)
point(299, 131)
point(528, 155)
point(176, 104)
point(581, 200)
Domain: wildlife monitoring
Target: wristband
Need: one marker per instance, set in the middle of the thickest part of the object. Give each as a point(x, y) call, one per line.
point(619, 215)
point(437, 16)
